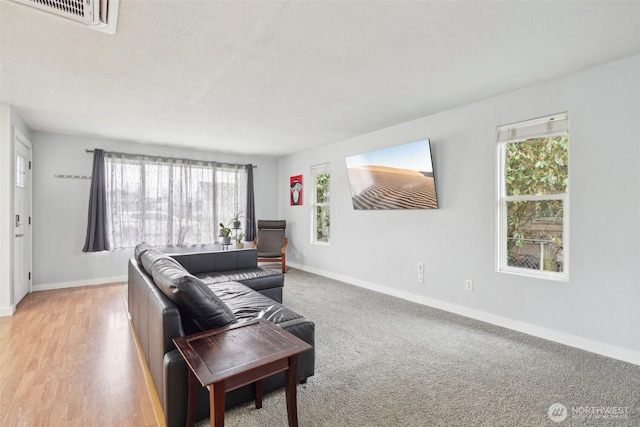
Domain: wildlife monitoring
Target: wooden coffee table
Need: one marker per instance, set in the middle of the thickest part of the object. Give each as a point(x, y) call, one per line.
point(228, 358)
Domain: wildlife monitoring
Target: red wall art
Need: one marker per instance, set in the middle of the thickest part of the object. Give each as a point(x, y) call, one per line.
point(295, 190)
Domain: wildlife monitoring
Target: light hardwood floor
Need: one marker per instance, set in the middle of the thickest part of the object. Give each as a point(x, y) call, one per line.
point(68, 358)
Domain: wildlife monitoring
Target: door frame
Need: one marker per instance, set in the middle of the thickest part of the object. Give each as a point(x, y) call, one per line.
point(19, 138)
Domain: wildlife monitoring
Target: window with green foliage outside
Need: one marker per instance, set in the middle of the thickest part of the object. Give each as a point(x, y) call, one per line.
point(534, 187)
point(321, 180)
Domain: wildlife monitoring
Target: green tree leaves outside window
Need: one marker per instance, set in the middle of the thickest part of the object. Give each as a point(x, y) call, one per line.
point(536, 167)
point(323, 217)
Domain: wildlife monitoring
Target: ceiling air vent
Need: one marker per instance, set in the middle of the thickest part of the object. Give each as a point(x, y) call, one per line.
point(101, 15)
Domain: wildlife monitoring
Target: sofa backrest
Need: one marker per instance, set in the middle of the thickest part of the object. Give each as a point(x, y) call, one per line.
point(206, 262)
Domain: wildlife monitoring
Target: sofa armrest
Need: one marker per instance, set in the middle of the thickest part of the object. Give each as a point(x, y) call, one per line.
point(174, 401)
point(305, 330)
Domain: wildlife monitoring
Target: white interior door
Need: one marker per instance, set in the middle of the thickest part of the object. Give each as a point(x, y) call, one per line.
point(21, 219)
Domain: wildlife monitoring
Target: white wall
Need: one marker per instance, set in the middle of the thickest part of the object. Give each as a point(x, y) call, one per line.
point(60, 205)
point(9, 120)
point(598, 309)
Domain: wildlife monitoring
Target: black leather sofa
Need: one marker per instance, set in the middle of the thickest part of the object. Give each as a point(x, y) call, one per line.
point(172, 296)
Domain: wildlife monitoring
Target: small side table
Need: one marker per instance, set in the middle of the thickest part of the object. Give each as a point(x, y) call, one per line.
point(228, 358)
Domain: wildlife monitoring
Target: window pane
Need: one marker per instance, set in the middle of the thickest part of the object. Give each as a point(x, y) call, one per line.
point(537, 166)
point(323, 188)
point(170, 202)
point(321, 197)
point(322, 223)
point(21, 171)
point(535, 239)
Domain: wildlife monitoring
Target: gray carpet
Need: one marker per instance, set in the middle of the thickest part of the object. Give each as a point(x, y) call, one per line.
point(384, 361)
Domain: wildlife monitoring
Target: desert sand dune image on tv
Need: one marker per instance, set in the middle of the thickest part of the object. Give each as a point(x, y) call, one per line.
point(399, 177)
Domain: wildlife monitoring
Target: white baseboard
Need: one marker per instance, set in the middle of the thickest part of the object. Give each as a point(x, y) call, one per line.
point(586, 344)
point(78, 283)
point(7, 311)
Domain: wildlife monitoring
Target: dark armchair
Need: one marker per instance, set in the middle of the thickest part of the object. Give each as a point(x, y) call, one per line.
point(271, 242)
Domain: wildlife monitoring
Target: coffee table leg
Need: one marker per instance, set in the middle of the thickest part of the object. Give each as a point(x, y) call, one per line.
point(192, 397)
point(258, 394)
point(216, 404)
point(291, 376)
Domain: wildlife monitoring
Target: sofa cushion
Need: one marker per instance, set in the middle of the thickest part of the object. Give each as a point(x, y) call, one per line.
point(247, 304)
point(256, 278)
point(252, 273)
point(141, 249)
point(150, 256)
point(212, 278)
point(193, 298)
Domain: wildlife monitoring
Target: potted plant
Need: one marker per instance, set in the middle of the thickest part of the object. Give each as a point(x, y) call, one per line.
point(236, 219)
point(239, 242)
point(225, 233)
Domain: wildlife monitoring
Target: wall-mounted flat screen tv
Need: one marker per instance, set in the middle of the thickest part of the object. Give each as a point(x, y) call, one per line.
point(399, 177)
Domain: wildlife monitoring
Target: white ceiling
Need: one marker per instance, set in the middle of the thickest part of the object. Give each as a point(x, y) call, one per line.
point(276, 77)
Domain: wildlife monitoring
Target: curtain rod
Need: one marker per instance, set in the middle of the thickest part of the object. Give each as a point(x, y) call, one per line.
point(170, 158)
point(73, 176)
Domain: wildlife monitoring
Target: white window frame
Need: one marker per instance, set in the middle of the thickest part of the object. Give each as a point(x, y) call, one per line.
point(553, 125)
point(315, 171)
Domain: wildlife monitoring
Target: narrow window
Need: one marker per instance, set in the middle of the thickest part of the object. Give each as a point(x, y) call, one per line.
point(533, 198)
point(321, 212)
point(21, 171)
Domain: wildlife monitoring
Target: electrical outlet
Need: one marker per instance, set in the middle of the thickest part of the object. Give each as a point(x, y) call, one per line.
point(420, 278)
point(421, 267)
point(468, 284)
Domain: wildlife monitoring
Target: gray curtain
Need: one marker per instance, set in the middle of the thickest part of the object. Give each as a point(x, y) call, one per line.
point(96, 224)
point(251, 207)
